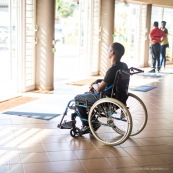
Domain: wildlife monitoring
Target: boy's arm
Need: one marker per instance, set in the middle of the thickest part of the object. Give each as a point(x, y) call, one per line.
point(102, 86)
point(97, 81)
point(98, 86)
point(163, 37)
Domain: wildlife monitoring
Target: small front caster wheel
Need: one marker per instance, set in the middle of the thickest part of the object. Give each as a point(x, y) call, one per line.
point(75, 132)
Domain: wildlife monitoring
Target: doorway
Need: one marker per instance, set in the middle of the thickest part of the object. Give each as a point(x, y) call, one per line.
point(66, 40)
point(126, 31)
point(8, 49)
point(77, 35)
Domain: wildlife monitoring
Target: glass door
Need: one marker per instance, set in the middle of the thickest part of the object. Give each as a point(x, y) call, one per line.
point(89, 36)
point(8, 48)
point(166, 14)
point(127, 30)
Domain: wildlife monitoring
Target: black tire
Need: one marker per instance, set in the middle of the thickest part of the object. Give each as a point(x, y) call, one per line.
point(75, 132)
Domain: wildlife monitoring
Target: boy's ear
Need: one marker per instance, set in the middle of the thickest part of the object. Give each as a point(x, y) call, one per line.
point(113, 53)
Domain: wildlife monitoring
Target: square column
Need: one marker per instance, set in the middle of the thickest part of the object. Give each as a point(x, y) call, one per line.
point(107, 30)
point(45, 19)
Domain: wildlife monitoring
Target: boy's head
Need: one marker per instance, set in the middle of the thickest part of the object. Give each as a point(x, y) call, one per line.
point(156, 24)
point(163, 23)
point(117, 50)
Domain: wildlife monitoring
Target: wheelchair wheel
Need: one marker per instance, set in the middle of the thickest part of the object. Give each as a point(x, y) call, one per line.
point(75, 132)
point(138, 113)
point(106, 124)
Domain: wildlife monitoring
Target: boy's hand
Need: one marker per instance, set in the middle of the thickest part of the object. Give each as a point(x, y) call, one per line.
point(91, 89)
point(94, 87)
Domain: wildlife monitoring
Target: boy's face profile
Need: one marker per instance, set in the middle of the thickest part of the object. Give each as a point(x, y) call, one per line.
point(163, 24)
point(110, 52)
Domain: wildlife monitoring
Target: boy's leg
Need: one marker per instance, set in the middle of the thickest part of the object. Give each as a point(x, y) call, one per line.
point(86, 97)
point(83, 114)
point(161, 56)
point(164, 55)
point(157, 48)
point(153, 58)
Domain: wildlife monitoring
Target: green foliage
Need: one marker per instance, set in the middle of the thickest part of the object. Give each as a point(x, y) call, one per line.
point(65, 8)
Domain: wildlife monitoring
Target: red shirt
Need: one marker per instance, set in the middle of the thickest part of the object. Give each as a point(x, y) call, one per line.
point(156, 34)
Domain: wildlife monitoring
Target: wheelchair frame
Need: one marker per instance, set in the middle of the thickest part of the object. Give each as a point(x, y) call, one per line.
point(110, 121)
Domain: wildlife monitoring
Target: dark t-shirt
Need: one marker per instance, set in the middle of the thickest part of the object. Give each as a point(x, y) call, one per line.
point(121, 88)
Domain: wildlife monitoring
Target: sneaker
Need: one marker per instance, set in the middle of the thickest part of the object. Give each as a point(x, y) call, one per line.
point(85, 129)
point(96, 125)
point(158, 70)
point(152, 71)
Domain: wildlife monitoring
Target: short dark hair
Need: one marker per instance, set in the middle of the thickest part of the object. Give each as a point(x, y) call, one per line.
point(164, 22)
point(118, 49)
point(156, 24)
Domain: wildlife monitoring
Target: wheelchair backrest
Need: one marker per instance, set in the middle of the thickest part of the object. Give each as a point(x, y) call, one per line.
point(119, 89)
point(121, 85)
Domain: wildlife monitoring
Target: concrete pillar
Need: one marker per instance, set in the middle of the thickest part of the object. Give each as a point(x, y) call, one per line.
point(45, 18)
point(107, 30)
point(147, 42)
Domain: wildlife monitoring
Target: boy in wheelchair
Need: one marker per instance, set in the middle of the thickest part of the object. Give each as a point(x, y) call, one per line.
point(116, 51)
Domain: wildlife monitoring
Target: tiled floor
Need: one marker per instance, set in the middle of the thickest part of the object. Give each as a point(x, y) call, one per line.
point(37, 146)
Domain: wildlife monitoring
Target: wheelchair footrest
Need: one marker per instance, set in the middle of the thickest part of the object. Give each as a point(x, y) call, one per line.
point(67, 125)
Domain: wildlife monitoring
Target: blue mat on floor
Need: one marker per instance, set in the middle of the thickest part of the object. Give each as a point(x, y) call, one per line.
point(154, 75)
point(142, 88)
point(42, 116)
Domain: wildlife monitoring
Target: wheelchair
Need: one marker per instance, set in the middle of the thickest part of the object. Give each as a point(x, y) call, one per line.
point(110, 121)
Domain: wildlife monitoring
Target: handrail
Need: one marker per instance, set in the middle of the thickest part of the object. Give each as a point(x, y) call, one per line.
point(135, 70)
point(131, 71)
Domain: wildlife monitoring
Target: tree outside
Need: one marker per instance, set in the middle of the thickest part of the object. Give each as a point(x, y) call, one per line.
point(66, 36)
point(67, 21)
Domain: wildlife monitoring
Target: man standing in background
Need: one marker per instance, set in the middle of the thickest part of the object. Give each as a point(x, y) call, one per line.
point(163, 45)
point(156, 36)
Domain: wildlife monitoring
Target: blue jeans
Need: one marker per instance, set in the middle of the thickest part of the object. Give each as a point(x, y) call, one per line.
point(163, 55)
point(91, 98)
point(155, 54)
